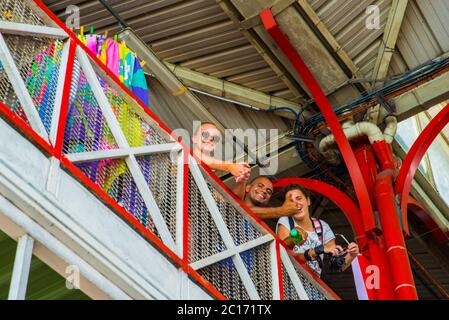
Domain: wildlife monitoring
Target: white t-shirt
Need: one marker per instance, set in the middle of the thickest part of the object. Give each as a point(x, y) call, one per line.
point(311, 242)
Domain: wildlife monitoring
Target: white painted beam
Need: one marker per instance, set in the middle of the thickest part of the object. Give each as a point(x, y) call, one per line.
point(21, 270)
point(231, 252)
point(22, 29)
point(20, 89)
point(294, 278)
point(12, 217)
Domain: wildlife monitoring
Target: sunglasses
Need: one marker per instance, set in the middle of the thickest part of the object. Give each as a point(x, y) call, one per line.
point(206, 135)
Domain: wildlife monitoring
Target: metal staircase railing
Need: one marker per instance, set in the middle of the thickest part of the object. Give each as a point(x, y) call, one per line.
point(54, 91)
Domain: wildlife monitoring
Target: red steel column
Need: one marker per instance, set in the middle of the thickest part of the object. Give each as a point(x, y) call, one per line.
point(404, 285)
point(376, 247)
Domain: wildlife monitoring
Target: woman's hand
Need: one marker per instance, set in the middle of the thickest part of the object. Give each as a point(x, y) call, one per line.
point(353, 249)
point(332, 249)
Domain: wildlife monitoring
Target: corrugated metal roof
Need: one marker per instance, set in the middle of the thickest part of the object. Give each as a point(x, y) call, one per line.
point(423, 36)
point(196, 34)
point(175, 114)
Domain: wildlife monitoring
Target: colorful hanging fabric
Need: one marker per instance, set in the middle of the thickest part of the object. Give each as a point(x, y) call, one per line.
point(126, 65)
point(91, 43)
point(139, 84)
point(113, 56)
point(121, 61)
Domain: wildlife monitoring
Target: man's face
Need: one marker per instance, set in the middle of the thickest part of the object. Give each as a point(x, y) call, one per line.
point(260, 191)
point(207, 138)
point(302, 203)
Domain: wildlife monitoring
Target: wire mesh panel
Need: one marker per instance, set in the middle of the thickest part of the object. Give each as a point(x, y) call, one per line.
point(311, 289)
point(9, 97)
point(223, 276)
point(86, 128)
point(289, 290)
point(161, 176)
point(18, 11)
point(204, 239)
point(241, 230)
point(258, 263)
point(136, 130)
point(115, 179)
point(38, 62)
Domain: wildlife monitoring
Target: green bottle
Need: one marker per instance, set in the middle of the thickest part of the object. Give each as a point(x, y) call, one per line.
point(296, 236)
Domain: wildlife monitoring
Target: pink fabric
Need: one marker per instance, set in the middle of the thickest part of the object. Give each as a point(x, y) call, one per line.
point(113, 56)
point(91, 43)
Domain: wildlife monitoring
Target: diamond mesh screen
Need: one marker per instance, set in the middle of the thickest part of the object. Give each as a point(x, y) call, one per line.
point(160, 174)
point(18, 11)
point(114, 178)
point(289, 290)
point(241, 230)
point(42, 80)
point(9, 97)
point(223, 276)
point(86, 128)
point(258, 263)
point(38, 61)
point(312, 292)
point(204, 239)
point(137, 131)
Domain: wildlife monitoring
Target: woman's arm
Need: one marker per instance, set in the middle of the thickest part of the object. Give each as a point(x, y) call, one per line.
point(284, 235)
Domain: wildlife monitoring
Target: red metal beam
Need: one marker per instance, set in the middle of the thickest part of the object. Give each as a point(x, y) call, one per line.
point(284, 44)
point(416, 153)
point(65, 98)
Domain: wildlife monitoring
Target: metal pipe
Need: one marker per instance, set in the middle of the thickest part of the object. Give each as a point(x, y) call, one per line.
point(119, 19)
point(384, 154)
point(379, 259)
point(404, 285)
point(390, 129)
point(375, 248)
point(356, 130)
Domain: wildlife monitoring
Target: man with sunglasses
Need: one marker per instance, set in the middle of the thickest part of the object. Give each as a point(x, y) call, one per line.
point(205, 141)
point(257, 196)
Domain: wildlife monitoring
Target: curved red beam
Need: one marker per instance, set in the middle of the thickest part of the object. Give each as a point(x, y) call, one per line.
point(416, 153)
point(284, 44)
point(342, 200)
point(419, 211)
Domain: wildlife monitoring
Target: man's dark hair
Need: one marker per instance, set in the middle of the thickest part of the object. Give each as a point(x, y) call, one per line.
point(304, 191)
point(262, 176)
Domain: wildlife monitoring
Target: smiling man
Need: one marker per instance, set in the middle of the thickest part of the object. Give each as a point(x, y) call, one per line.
point(205, 143)
point(257, 196)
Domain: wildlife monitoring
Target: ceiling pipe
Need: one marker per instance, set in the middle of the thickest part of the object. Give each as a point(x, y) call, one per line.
point(361, 129)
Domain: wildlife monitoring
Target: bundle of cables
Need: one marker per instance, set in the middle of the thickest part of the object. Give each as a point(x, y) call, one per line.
point(310, 128)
